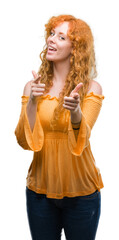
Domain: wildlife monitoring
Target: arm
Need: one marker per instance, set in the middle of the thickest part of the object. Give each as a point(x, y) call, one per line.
point(79, 139)
point(31, 105)
point(29, 132)
point(96, 88)
point(33, 89)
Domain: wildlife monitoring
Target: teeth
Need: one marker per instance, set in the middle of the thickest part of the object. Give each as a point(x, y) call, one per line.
point(51, 48)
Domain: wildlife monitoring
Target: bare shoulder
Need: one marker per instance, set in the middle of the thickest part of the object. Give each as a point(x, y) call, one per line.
point(27, 88)
point(94, 87)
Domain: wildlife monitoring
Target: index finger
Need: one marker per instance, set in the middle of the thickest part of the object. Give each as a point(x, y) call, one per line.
point(76, 89)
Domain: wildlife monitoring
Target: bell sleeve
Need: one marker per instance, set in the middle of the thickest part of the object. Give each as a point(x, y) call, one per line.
point(25, 137)
point(78, 140)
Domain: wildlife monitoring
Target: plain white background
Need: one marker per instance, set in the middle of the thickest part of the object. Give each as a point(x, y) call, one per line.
point(21, 41)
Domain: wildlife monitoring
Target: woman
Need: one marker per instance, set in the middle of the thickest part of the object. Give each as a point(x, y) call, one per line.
point(59, 109)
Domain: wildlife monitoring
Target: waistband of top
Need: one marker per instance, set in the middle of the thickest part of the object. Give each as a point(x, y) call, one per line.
point(55, 135)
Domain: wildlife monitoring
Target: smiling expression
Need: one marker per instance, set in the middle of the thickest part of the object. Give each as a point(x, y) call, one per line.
point(58, 44)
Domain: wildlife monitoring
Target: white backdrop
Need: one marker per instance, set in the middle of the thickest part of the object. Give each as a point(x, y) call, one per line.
point(22, 39)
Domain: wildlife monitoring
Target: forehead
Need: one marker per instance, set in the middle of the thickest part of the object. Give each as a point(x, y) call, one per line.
point(62, 27)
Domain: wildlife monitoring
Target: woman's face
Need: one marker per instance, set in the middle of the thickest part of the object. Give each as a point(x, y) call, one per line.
point(58, 44)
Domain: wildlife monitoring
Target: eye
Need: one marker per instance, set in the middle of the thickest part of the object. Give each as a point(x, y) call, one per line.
point(52, 33)
point(62, 38)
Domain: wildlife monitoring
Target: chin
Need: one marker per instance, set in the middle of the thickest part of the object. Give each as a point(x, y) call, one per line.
point(49, 58)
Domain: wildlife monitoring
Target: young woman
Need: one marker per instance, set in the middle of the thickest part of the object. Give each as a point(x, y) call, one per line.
point(59, 109)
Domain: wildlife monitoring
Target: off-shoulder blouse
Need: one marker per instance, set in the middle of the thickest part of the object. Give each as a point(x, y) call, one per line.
point(63, 163)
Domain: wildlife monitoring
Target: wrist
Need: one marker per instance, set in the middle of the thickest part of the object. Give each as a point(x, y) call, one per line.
point(32, 99)
point(76, 126)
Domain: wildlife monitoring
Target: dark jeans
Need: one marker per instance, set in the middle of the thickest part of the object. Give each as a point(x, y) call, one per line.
point(78, 216)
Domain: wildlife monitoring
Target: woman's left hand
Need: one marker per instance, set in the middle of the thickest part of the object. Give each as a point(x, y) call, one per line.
point(72, 102)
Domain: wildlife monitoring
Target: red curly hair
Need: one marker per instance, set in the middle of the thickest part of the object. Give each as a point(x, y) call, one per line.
point(82, 60)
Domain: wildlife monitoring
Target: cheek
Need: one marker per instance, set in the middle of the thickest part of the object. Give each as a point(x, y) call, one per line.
point(65, 49)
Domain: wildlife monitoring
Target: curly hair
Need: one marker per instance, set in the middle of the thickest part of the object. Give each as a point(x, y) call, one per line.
point(82, 60)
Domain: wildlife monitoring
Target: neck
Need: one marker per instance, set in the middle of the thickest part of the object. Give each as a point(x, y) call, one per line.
point(60, 71)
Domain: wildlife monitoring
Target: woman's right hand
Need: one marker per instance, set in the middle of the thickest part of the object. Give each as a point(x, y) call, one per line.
point(37, 88)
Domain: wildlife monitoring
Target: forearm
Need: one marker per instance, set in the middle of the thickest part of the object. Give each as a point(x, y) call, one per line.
point(31, 112)
point(76, 116)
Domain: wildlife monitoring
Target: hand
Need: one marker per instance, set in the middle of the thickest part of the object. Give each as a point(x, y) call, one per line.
point(72, 102)
point(37, 88)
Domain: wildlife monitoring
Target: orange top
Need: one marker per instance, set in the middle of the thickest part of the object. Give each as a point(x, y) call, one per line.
point(63, 163)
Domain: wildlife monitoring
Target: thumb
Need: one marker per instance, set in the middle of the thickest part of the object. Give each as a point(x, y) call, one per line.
point(76, 89)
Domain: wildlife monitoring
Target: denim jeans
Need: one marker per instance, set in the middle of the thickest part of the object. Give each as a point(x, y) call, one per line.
point(78, 216)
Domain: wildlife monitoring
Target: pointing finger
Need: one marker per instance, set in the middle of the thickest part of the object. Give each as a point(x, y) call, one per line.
point(76, 89)
point(35, 75)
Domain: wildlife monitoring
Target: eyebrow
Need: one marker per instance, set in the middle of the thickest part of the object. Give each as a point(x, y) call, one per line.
point(62, 33)
point(59, 32)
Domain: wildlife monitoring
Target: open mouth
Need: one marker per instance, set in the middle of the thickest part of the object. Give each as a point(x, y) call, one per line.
point(52, 49)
